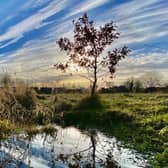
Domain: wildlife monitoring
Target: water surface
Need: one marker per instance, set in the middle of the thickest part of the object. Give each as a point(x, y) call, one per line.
point(44, 151)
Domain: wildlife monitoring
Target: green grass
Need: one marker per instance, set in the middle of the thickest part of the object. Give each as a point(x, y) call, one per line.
point(140, 121)
point(135, 119)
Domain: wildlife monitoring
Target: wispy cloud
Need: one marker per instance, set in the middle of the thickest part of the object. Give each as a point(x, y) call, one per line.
point(130, 8)
point(138, 65)
point(86, 6)
point(34, 4)
point(140, 21)
point(33, 22)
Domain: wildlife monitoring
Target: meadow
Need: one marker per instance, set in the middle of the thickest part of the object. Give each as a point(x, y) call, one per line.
point(138, 120)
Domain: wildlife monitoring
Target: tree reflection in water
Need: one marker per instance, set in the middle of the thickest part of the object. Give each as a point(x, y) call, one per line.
point(19, 151)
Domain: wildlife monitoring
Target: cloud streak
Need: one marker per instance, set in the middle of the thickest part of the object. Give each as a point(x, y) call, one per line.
point(86, 6)
point(33, 22)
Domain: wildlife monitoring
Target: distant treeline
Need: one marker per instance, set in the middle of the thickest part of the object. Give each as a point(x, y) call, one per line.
point(148, 83)
point(114, 89)
point(53, 90)
point(124, 89)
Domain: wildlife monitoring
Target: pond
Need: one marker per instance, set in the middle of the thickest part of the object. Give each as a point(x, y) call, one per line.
point(66, 148)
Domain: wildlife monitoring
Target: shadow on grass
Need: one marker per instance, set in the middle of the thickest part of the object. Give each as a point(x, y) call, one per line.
point(86, 112)
point(91, 103)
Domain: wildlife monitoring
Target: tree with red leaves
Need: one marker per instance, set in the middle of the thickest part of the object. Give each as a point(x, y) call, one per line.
point(86, 50)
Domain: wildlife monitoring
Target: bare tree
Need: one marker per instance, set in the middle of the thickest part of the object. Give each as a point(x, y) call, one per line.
point(133, 85)
point(151, 79)
point(86, 49)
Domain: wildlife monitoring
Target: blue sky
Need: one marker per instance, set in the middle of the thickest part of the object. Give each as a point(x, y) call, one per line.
point(29, 30)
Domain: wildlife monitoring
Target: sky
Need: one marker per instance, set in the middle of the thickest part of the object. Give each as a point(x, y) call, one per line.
point(29, 31)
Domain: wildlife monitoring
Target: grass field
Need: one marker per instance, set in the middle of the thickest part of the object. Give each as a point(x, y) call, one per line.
point(140, 121)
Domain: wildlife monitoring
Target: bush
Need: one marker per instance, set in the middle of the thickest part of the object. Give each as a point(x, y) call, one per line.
point(62, 106)
point(17, 103)
point(49, 130)
point(40, 118)
point(27, 98)
point(5, 129)
point(32, 132)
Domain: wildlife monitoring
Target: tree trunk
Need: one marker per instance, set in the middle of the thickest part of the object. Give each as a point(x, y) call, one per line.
point(93, 89)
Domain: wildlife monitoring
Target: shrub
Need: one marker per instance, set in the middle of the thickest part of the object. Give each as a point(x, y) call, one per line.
point(62, 106)
point(5, 129)
point(40, 118)
point(32, 132)
point(17, 103)
point(27, 98)
point(49, 130)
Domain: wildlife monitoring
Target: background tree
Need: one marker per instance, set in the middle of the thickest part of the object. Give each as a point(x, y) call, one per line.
point(86, 48)
point(133, 85)
point(152, 79)
point(6, 80)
